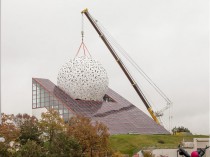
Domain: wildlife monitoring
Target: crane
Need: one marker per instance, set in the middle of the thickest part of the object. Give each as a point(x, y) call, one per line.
point(154, 115)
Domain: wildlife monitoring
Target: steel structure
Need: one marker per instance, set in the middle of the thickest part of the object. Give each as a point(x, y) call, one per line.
point(83, 78)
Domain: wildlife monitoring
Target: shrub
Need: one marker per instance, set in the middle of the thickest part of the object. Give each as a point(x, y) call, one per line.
point(161, 141)
point(148, 154)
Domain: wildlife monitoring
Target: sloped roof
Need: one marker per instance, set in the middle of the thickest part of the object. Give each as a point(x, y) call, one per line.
point(119, 115)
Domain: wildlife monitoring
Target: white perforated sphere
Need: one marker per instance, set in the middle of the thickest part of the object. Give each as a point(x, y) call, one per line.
point(83, 78)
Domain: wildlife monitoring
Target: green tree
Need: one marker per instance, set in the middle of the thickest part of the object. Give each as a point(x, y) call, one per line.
point(31, 149)
point(65, 146)
point(29, 129)
point(4, 150)
point(180, 129)
point(51, 124)
point(148, 154)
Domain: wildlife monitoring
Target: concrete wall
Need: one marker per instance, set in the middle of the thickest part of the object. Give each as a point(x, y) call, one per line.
point(202, 143)
point(197, 143)
point(168, 152)
point(38, 112)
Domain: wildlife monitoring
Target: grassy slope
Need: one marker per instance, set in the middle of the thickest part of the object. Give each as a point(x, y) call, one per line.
point(130, 144)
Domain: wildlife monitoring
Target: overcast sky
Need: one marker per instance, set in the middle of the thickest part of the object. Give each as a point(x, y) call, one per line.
point(169, 40)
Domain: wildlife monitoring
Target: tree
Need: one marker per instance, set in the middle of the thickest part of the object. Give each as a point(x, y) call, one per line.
point(10, 133)
point(51, 124)
point(93, 137)
point(3, 150)
point(117, 154)
point(80, 137)
point(180, 129)
point(148, 154)
point(29, 129)
point(8, 130)
point(65, 146)
point(31, 149)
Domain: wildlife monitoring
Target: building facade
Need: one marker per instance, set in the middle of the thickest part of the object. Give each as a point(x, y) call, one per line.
point(120, 116)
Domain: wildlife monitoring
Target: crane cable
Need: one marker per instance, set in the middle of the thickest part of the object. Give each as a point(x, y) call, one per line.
point(132, 62)
point(82, 45)
point(135, 65)
point(125, 54)
point(82, 27)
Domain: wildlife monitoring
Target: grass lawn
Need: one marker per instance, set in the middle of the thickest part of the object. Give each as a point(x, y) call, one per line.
point(130, 144)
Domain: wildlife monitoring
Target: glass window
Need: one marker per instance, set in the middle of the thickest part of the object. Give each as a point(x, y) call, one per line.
point(60, 108)
point(46, 99)
point(34, 101)
point(42, 100)
point(51, 98)
point(38, 90)
point(61, 112)
point(51, 103)
point(34, 87)
point(55, 107)
point(42, 95)
point(60, 105)
point(46, 94)
point(34, 95)
point(55, 103)
point(34, 105)
point(46, 103)
point(34, 91)
point(65, 110)
point(38, 86)
point(42, 90)
point(38, 104)
point(38, 95)
point(66, 117)
point(38, 100)
point(42, 104)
